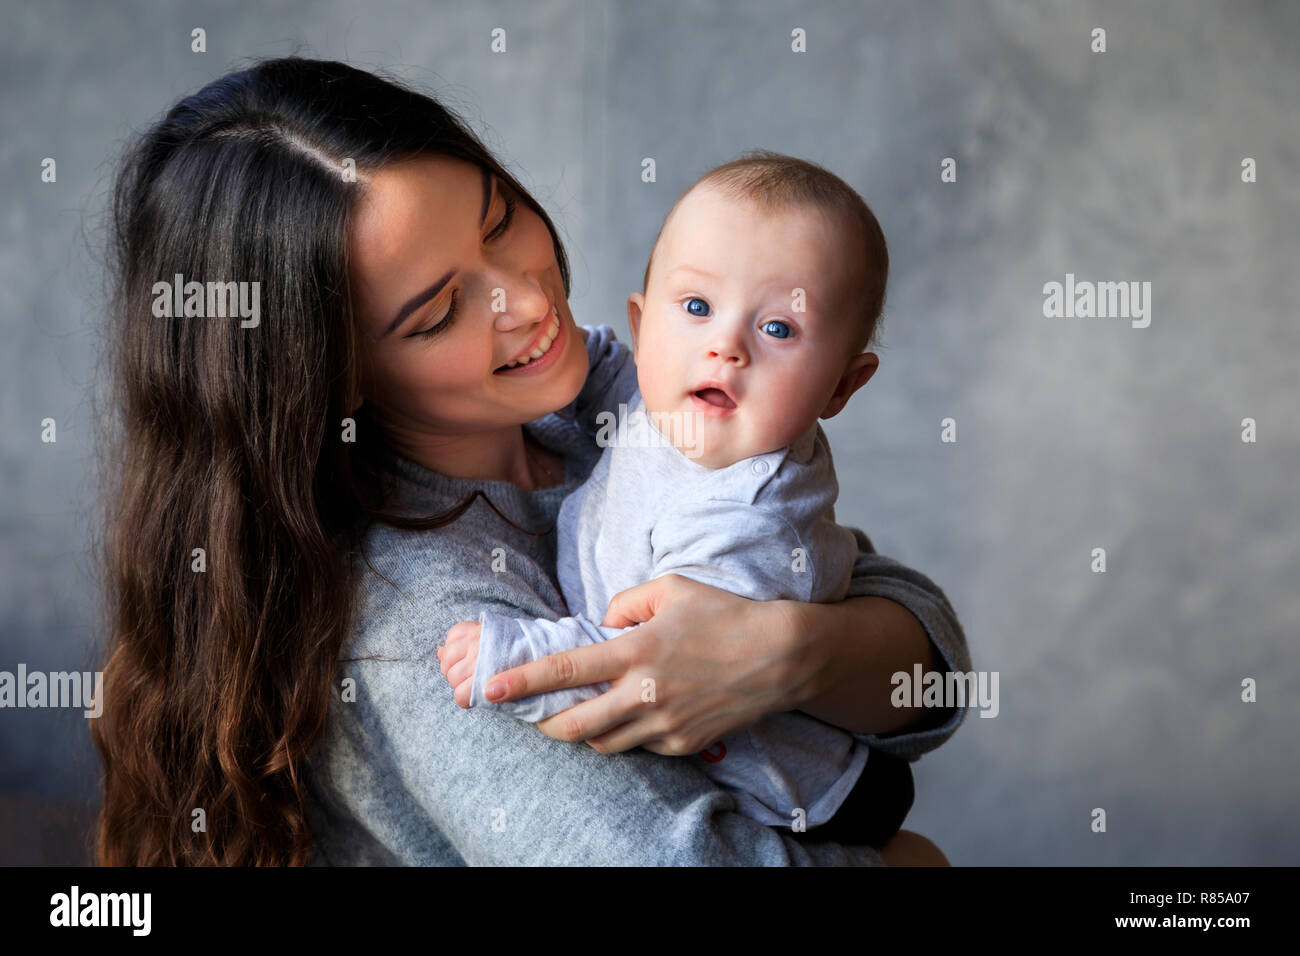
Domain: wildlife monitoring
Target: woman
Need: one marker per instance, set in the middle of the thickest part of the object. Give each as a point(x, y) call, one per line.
point(301, 507)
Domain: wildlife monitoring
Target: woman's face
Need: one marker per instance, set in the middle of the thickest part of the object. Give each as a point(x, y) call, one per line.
point(453, 277)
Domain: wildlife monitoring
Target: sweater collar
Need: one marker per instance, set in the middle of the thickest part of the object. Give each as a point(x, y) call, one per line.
point(427, 484)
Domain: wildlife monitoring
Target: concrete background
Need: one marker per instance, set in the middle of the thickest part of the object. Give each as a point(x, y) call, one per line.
point(1118, 690)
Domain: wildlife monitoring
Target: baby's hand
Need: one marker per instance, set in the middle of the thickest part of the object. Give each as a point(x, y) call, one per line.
point(458, 656)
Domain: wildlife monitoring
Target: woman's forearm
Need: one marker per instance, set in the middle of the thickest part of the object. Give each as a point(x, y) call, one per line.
point(719, 663)
point(859, 644)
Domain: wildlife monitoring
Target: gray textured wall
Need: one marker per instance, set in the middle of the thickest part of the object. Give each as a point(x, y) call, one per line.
point(1118, 690)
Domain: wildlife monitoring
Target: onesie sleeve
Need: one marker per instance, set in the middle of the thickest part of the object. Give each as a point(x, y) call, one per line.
point(506, 642)
point(875, 575)
point(736, 546)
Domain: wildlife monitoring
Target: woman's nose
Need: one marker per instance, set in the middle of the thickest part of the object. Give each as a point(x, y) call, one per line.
point(519, 304)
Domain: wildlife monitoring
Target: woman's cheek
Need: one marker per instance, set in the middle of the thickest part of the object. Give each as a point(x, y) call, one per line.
point(537, 239)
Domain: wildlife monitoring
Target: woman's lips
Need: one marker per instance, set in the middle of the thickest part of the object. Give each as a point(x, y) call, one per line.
point(547, 359)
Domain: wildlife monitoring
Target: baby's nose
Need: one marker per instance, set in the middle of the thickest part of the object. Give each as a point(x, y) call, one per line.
point(728, 353)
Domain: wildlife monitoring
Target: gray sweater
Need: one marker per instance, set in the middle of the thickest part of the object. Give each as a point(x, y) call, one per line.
point(402, 775)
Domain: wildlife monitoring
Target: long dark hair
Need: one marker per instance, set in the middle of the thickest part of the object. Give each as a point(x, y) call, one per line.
point(229, 439)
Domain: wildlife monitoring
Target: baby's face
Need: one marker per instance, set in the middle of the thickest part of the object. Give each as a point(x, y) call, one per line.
point(744, 326)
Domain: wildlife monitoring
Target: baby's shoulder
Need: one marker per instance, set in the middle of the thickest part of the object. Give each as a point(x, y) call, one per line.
point(788, 477)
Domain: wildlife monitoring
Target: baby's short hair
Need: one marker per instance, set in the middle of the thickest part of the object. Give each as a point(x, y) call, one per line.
point(775, 181)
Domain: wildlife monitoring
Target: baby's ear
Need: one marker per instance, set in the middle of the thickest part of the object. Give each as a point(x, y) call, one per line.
point(635, 303)
point(856, 374)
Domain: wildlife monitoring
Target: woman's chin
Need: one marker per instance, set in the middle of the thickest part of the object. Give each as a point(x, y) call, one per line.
point(575, 376)
point(556, 383)
point(553, 393)
point(569, 375)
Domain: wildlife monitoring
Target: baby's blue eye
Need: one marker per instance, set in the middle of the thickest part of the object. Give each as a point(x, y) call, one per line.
point(782, 330)
point(697, 307)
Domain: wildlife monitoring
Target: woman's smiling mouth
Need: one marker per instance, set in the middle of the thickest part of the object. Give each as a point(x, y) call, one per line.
point(543, 353)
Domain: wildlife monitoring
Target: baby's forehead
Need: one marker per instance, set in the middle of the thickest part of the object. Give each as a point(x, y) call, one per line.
point(807, 236)
point(764, 208)
point(826, 232)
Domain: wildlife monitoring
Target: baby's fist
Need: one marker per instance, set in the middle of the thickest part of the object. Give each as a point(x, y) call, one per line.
point(458, 656)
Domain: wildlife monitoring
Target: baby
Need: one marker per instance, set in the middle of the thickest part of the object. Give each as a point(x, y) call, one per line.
point(765, 284)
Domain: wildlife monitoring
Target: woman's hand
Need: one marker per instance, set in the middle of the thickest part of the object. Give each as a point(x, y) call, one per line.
point(705, 664)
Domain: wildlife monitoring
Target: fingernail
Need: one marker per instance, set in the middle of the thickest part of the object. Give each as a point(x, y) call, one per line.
point(495, 689)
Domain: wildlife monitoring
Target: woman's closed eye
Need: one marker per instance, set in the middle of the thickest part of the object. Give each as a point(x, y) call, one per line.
point(442, 325)
point(497, 232)
point(504, 224)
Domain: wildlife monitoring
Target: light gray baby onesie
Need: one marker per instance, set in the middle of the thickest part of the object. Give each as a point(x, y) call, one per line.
point(762, 528)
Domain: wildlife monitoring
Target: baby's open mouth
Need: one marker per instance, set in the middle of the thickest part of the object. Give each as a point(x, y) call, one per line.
point(714, 396)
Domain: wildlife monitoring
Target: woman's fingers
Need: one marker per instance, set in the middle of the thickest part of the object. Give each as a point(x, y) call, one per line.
point(634, 733)
point(593, 719)
point(573, 668)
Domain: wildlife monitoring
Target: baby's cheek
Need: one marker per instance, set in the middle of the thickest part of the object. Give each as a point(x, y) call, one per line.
point(774, 431)
point(655, 382)
point(788, 413)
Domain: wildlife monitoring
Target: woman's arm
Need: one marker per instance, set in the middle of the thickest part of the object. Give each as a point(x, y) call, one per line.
point(718, 662)
point(863, 641)
point(894, 619)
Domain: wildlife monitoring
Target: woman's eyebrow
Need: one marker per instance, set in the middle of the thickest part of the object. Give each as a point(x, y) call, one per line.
point(417, 300)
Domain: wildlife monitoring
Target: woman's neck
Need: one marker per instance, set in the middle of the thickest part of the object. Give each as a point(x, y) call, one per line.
point(503, 454)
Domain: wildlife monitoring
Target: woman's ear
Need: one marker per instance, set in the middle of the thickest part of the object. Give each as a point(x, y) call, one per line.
point(858, 373)
point(635, 303)
point(355, 400)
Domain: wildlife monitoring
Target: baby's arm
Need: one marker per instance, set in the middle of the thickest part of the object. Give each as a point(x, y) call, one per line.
point(476, 651)
point(746, 549)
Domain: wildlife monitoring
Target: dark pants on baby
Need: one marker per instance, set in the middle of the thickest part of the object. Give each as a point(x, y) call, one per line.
point(875, 808)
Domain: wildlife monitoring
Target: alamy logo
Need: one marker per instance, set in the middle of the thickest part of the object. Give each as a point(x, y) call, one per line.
point(210, 300)
point(643, 429)
point(1101, 300)
point(102, 909)
point(55, 689)
point(946, 689)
